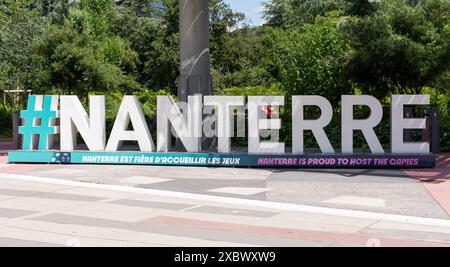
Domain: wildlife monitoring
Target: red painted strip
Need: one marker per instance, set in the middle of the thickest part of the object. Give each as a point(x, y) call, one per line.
point(306, 235)
point(22, 168)
point(3, 159)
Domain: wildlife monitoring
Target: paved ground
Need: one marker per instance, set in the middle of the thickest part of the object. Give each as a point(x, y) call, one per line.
point(47, 205)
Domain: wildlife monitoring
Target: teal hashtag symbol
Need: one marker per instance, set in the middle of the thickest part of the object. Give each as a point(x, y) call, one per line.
point(40, 119)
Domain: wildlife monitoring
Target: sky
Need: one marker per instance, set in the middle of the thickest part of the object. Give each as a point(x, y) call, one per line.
point(252, 9)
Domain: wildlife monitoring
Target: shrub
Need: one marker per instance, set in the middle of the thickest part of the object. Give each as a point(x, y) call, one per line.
point(5, 122)
point(274, 90)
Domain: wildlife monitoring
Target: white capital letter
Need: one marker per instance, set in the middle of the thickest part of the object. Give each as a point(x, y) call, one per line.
point(130, 110)
point(75, 119)
point(349, 124)
point(255, 124)
point(299, 124)
point(398, 124)
point(189, 129)
point(225, 120)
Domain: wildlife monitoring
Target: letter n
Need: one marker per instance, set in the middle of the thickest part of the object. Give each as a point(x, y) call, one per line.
point(75, 119)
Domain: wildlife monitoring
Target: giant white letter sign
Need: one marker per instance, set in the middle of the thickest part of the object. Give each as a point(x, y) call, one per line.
point(299, 124)
point(75, 119)
point(189, 129)
point(255, 124)
point(223, 106)
point(349, 124)
point(130, 110)
point(399, 124)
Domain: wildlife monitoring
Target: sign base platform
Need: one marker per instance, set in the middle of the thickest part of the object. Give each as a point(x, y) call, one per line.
point(355, 161)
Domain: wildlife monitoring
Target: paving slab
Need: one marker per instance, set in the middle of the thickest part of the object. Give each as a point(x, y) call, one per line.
point(169, 206)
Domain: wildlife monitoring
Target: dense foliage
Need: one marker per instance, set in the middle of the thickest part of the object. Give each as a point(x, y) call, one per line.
point(321, 47)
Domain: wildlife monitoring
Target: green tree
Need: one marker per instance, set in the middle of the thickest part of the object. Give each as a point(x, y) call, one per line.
point(97, 14)
point(19, 25)
point(222, 21)
point(155, 42)
point(81, 57)
point(56, 10)
point(361, 7)
point(278, 13)
point(310, 61)
point(295, 13)
point(401, 47)
point(141, 8)
point(243, 60)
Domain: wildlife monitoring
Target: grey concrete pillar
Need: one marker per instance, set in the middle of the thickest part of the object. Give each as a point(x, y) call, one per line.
point(195, 70)
point(195, 66)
